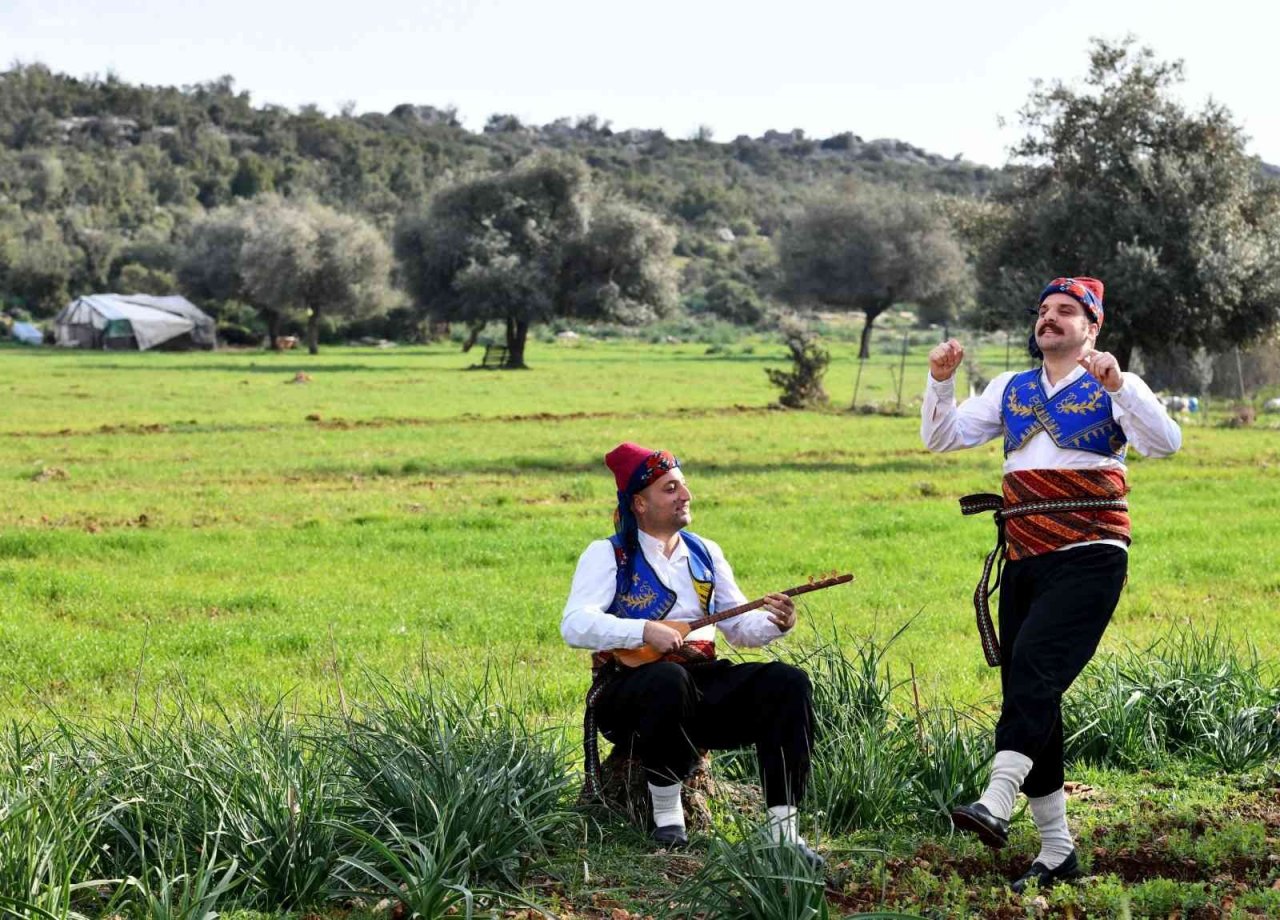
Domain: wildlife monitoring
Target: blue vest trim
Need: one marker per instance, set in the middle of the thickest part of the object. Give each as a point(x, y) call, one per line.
point(640, 593)
point(1077, 417)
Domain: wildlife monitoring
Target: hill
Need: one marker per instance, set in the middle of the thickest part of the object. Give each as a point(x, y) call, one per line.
point(99, 179)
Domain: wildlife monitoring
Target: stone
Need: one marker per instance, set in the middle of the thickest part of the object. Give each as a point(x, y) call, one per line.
point(623, 788)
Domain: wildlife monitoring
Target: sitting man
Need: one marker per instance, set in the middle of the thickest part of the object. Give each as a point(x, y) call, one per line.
point(625, 591)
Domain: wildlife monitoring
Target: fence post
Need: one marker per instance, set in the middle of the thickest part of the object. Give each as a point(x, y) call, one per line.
point(902, 371)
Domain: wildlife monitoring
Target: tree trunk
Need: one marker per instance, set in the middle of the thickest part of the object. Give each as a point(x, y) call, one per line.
point(273, 329)
point(864, 351)
point(517, 335)
point(313, 332)
point(1123, 352)
point(474, 328)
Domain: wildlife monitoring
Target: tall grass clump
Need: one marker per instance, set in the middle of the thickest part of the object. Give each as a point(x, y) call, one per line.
point(747, 875)
point(456, 769)
point(277, 795)
point(425, 874)
point(1191, 695)
point(177, 885)
point(50, 817)
point(257, 777)
point(876, 764)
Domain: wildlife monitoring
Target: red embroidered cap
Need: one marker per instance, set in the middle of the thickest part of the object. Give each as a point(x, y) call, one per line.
point(1087, 291)
point(634, 467)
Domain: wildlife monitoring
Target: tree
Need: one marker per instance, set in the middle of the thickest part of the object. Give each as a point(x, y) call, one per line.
point(1121, 182)
point(316, 259)
point(36, 265)
point(534, 243)
point(209, 261)
point(870, 248)
point(286, 257)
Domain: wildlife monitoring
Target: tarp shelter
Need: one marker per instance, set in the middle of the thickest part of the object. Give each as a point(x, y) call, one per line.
point(27, 334)
point(133, 321)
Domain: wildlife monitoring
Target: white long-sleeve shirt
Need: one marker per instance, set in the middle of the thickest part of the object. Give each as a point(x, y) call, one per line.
point(944, 426)
point(586, 622)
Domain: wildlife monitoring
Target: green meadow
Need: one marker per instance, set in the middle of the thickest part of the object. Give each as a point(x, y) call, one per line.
point(201, 520)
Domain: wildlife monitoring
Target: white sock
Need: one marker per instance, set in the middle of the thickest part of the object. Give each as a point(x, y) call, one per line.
point(667, 808)
point(1050, 813)
point(782, 824)
point(1008, 771)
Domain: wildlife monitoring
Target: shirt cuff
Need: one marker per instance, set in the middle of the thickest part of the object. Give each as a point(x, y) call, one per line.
point(635, 635)
point(943, 388)
point(1123, 398)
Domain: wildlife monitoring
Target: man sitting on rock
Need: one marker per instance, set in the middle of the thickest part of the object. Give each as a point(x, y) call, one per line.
point(626, 591)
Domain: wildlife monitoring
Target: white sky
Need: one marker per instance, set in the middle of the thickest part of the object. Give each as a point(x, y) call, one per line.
point(939, 75)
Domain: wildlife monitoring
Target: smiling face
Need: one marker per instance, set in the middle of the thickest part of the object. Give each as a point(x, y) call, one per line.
point(1063, 326)
point(662, 507)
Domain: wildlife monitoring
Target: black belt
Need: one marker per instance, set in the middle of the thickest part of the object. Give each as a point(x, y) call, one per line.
point(989, 501)
point(600, 679)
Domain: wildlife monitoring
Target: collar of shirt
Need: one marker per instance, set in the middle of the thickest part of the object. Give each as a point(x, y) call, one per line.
point(653, 548)
point(1065, 381)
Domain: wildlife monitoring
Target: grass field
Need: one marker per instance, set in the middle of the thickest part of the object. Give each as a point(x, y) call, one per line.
point(200, 518)
point(237, 526)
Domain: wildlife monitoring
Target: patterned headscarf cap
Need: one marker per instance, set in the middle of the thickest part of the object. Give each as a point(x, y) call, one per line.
point(1086, 291)
point(634, 468)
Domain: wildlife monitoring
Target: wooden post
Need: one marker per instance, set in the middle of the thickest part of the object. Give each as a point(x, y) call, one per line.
point(902, 371)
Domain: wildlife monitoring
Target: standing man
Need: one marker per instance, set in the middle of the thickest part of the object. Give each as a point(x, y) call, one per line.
point(626, 591)
point(1065, 533)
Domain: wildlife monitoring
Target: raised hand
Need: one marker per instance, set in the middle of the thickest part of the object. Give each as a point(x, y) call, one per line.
point(944, 359)
point(1103, 366)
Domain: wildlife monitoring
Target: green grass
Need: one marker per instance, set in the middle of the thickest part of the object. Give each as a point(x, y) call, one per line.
point(176, 518)
point(193, 568)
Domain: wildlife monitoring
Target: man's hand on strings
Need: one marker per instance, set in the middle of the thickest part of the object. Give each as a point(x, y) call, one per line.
point(662, 638)
point(781, 610)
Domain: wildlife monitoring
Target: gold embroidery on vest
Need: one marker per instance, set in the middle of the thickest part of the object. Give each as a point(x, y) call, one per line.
point(634, 600)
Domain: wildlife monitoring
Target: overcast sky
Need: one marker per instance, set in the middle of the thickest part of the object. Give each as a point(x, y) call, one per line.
point(938, 75)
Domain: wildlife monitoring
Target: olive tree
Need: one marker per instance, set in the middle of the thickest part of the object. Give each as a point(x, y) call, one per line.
point(866, 248)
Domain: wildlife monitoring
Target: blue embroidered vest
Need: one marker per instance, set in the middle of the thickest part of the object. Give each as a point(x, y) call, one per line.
point(640, 593)
point(1077, 417)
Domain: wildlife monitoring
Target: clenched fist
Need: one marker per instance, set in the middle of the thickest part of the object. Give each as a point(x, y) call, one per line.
point(944, 359)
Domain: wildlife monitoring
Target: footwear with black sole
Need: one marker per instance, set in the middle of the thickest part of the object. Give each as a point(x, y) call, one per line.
point(670, 837)
point(975, 819)
point(1044, 877)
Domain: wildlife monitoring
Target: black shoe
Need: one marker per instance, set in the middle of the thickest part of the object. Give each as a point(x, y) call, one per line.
point(975, 819)
point(670, 837)
point(811, 856)
point(1046, 878)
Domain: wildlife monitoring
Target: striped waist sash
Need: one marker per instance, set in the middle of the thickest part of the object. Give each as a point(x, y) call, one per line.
point(1100, 513)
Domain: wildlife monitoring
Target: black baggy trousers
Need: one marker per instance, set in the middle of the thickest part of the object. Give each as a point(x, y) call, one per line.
point(664, 713)
point(1053, 611)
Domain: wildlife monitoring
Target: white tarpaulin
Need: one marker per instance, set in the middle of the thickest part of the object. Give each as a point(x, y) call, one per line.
point(96, 320)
